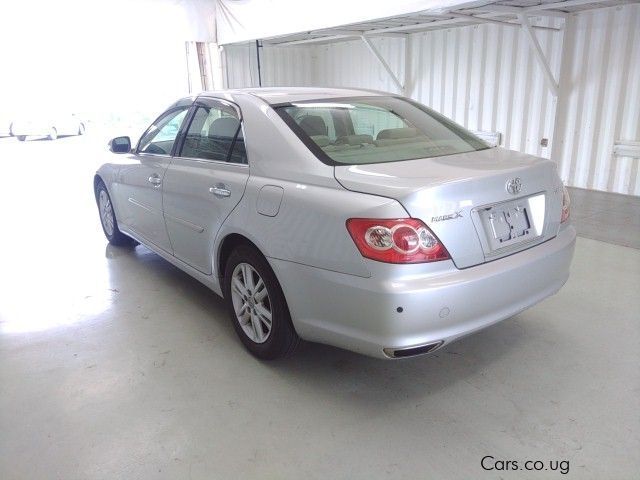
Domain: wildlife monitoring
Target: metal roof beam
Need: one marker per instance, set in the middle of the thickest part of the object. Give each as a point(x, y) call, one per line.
point(537, 50)
point(482, 20)
point(337, 31)
point(567, 4)
point(304, 41)
point(513, 11)
point(383, 62)
point(416, 27)
point(469, 14)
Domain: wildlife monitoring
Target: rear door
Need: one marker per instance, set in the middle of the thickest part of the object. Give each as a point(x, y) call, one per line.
point(205, 180)
point(140, 181)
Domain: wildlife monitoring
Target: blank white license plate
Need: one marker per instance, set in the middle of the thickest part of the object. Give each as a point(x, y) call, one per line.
point(509, 223)
point(512, 222)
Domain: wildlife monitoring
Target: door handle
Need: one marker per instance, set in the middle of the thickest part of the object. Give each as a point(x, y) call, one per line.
point(220, 190)
point(155, 179)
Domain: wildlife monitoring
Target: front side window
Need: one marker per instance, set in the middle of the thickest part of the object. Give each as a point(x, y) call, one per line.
point(160, 136)
point(353, 131)
point(215, 134)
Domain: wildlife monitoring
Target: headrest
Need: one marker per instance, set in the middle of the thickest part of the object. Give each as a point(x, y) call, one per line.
point(321, 140)
point(224, 127)
point(397, 133)
point(354, 140)
point(313, 125)
point(397, 141)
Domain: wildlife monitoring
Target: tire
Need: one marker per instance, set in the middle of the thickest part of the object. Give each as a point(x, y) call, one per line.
point(263, 341)
point(53, 134)
point(81, 129)
point(108, 218)
point(21, 138)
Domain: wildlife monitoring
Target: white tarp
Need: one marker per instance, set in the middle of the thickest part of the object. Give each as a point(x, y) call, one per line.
point(244, 20)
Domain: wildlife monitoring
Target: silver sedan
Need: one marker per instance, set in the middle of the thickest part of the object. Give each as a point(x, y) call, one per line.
point(353, 218)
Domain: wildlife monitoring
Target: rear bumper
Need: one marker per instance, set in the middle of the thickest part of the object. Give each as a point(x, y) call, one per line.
point(406, 306)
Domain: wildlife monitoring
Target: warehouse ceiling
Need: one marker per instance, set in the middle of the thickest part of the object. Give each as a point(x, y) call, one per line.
point(442, 14)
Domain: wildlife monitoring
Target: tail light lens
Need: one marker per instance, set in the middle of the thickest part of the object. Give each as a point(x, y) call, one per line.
point(403, 240)
point(566, 205)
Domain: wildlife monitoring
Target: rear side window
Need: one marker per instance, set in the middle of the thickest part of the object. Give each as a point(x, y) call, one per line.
point(353, 131)
point(239, 153)
point(215, 133)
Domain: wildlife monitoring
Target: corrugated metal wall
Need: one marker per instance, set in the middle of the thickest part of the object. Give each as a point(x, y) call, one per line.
point(600, 100)
point(486, 78)
point(291, 66)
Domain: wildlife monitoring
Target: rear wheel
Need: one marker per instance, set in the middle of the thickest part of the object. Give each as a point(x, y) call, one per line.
point(81, 129)
point(53, 134)
point(21, 138)
point(257, 306)
point(108, 218)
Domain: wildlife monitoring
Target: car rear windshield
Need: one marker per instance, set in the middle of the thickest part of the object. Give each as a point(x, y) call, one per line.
point(355, 131)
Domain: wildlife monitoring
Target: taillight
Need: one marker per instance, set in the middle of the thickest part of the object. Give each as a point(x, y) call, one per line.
point(402, 240)
point(566, 205)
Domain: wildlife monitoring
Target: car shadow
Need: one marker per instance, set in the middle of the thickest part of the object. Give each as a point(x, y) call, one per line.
point(46, 139)
point(341, 375)
point(372, 382)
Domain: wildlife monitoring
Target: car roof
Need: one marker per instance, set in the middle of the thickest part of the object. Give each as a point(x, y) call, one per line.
point(278, 95)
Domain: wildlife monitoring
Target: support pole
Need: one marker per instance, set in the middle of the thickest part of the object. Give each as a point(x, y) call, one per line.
point(217, 66)
point(186, 49)
point(408, 66)
point(258, 57)
point(537, 50)
point(382, 61)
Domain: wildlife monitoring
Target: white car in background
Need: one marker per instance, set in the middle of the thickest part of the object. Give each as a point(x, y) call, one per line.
point(49, 125)
point(5, 126)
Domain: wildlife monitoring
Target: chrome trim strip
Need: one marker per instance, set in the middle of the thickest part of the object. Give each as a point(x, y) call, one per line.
point(146, 154)
point(391, 352)
point(141, 205)
point(184, 223)
point(217, 162)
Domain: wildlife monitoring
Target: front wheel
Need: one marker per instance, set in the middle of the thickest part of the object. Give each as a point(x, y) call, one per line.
point(53, 134)
point(21, 138)
point(108, 218)
point(257, 306)
point(81, 129)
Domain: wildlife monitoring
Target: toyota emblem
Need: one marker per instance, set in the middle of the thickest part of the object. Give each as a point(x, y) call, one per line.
point(514, 186)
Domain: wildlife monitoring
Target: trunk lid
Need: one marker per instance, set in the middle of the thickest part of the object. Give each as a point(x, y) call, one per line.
point(463, 198)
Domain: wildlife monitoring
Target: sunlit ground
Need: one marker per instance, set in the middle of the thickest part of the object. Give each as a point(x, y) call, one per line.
point(54, 270)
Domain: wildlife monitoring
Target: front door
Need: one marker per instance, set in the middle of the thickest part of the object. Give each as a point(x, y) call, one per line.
point(205, 180)
point(141, 180)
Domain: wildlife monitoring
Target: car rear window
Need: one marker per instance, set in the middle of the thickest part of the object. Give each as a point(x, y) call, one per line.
point(376, 129)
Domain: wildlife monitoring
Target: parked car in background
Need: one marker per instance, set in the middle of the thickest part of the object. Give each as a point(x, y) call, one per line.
point(358, 219)
point(46, 124)
point(5, 125)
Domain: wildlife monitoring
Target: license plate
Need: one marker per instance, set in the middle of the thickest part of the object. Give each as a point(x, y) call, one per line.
point(513, 222)
point(509, 223)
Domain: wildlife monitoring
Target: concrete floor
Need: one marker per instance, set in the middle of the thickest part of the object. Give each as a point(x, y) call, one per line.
point(114, 364)
point(608, 217)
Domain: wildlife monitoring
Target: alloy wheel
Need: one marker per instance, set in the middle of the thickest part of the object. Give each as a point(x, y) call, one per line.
point(251, 302)
point(106, 212)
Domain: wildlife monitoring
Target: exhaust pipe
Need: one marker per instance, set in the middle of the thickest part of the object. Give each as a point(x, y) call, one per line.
point(412, 351)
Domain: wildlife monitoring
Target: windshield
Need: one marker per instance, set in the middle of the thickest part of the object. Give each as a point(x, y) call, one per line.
point(354, 131)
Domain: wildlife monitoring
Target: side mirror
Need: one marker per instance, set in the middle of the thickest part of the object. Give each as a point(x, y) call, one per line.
point(120, 145)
